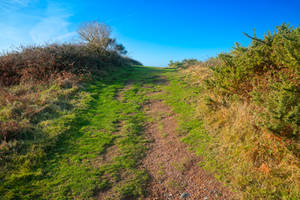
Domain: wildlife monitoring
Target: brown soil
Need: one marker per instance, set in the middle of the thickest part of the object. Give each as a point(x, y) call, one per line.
point(173, 169)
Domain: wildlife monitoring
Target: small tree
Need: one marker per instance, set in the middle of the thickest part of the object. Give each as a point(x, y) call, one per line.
point(95, 33)
point(98, 35)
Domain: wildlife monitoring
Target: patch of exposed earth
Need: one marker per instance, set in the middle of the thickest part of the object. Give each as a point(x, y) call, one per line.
point(174, 171)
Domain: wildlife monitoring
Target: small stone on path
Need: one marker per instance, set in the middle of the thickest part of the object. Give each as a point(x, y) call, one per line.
point(184, 195)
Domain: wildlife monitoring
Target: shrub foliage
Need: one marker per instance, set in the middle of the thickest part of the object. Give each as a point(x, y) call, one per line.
point(250, 104)
point(267, 72)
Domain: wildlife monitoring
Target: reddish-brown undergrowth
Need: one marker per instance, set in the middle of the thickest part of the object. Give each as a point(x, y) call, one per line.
point(40, 64)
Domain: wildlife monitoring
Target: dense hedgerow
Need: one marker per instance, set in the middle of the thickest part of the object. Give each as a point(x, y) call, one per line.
point(250, 104)
point(267, 72)
point(48, 62)
point(272, 54)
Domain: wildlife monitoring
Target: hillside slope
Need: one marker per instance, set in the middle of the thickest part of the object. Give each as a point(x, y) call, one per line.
point(101, 148)
point(82, 121)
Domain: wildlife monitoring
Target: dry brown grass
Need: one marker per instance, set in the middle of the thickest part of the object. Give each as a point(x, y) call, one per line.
point(43, 63)
point(250, 158)
point(23, 106)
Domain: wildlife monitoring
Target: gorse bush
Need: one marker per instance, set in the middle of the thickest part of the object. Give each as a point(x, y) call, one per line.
point(250, 105)
point(266, 71)
point(280, 107)
point(277, 51)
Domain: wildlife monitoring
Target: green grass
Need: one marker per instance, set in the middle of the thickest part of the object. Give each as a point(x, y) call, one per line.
point(184, 106)
point(68, 162)
point(94, 142)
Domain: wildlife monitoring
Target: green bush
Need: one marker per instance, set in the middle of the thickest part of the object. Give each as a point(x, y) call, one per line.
point(249, 102)
point(266, 71)
point(281, 107)
point(183, 64)
point(277, 51)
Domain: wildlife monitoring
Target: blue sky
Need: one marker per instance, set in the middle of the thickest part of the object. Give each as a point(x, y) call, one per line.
point(153, 32)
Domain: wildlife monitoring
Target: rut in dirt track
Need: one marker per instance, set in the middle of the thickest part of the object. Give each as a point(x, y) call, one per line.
point(174, 170)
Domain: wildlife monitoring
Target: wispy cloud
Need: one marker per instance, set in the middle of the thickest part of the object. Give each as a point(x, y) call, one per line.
point(7, 6)
point(49, 23)
point(54, 27)
point(51, 29)
point(20, 2)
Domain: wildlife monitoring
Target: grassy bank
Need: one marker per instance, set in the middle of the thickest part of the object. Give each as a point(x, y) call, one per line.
point(72, 119)
point(248, 104)
point(91, 148)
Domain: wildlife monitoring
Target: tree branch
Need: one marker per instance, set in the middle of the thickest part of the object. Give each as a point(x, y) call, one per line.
point(256, 39)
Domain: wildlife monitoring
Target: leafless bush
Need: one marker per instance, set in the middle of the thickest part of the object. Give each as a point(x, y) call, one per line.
point(98, 36)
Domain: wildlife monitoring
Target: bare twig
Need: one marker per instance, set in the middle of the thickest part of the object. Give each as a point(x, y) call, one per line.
point(256, 39)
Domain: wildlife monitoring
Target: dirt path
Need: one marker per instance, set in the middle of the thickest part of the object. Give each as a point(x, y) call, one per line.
point(174, 170)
